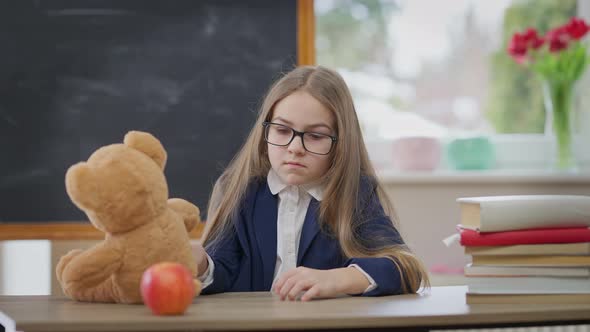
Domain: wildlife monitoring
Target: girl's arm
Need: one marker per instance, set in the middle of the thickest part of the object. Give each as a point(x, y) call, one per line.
point(347, 280)
point(227, 256)
point(375, 230)
point(384, 272)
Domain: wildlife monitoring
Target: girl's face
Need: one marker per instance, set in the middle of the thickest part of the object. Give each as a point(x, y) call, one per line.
point(293, 163)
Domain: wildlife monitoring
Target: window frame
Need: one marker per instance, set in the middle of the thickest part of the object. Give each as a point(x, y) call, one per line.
point(509, 147)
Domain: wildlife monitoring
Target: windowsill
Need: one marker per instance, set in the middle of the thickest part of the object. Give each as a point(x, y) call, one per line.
point(487, 176)
point(519, 158)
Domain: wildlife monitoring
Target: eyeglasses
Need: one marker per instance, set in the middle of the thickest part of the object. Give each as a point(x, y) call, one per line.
point(281, 135)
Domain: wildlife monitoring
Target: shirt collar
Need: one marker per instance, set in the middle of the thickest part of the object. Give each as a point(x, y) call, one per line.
point(276, 185)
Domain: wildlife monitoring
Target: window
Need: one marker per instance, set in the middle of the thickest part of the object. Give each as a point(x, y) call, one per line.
point(440, 69)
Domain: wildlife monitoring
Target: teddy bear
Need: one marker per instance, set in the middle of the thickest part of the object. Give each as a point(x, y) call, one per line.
point(123, 191)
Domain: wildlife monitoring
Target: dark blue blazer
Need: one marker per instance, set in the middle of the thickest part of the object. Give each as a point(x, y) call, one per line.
point(245, 259)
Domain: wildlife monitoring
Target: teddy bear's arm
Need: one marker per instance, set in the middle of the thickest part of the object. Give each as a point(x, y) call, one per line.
point(187, 211)
point(91, 267)
point(64, 261)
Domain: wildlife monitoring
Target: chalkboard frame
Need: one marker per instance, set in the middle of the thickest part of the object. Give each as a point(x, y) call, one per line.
point(85, 231)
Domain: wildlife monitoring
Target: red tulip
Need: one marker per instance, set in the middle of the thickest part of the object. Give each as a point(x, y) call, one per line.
point(521, 43)
point(556, 61)
point(518, 47)
point(577, 28)
point(532, 38)
point(558, 39)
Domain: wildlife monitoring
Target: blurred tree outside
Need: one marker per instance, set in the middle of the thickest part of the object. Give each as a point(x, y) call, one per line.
point(353, 34)
point(515, 101)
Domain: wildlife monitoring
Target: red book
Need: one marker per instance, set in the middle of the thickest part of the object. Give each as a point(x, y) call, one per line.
point(469, 237)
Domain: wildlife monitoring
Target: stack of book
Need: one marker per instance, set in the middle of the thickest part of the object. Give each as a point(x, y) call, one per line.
point(527, 248)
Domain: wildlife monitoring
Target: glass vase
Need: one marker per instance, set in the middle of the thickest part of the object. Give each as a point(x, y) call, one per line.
point(559, 125)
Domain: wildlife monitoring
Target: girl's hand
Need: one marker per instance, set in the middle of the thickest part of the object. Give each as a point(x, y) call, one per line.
point(319, 283)
point(201, 257)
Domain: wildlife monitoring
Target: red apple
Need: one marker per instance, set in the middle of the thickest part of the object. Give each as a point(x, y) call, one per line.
point(167, 288)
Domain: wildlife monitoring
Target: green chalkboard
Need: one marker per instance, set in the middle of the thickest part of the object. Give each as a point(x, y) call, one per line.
point(76, 75)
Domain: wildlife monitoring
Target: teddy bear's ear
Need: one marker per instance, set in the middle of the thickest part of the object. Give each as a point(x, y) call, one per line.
point(147, 144)
point(81, 185)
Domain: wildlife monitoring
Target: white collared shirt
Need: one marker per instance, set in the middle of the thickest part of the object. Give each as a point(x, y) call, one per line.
point(293, 204)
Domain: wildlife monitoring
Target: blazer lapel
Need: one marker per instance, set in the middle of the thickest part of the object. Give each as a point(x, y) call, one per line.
point(310, 229)
point(265, 230)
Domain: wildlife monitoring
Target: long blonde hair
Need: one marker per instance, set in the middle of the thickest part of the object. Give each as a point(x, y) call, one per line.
point(349, 161)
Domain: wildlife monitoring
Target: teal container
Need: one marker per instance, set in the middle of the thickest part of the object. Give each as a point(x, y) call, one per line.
point(474, 153)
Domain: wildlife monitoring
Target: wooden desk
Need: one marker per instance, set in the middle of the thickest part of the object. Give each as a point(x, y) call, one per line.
point(443, 307)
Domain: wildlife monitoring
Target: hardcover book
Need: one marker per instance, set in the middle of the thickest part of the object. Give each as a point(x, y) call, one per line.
point(527, 298)
point(472, 270)
point(528, 285)
point(528, 260)
point(472, 238)
point(582, 248)
point(503, 213)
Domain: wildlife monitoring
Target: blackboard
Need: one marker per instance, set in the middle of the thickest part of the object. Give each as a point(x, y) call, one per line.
point(76, 75)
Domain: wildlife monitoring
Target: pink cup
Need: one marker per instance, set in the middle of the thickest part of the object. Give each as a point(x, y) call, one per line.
point(416, 153)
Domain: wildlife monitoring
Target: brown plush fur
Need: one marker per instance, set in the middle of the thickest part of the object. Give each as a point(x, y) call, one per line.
point(123, 191)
